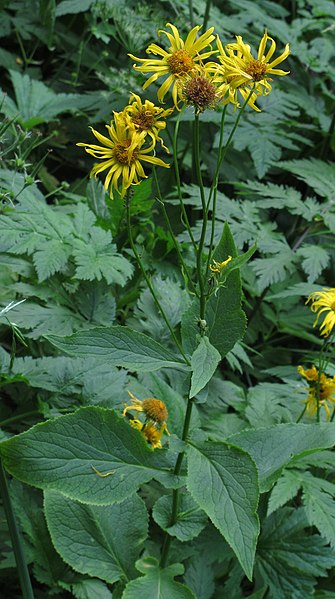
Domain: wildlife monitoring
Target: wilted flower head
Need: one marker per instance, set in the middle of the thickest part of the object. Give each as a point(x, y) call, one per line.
point(178, 61)
point(324, 301)
point(155, 414)
point(145, 116)
point(218, 266)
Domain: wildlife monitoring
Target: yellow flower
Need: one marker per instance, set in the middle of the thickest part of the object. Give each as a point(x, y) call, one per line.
point(153, 409)
point(176, 62)
point(146, 117)
point(218, 266)
point(122, 154)
point(151, 433)
point(241, 72)
point(319, 386)
point(199, 90)
point(324, 301)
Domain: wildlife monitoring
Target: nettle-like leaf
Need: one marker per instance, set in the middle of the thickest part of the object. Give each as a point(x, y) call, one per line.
point(120, 346)
point(318, 174)
point(102, 541)
point(157, 583)
point(223, 481)
point(317, 495)
point(274, 269)
point(314, 260)
point(191, 520)
point(61, 455)
point(274, 447)
point(204, 362)
point(289, 560)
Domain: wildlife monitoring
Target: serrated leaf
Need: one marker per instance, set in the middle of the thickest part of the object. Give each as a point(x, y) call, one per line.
point(314, 260)
point(199, 576)
point(274, 447)
point(289, 560)
point(102, 541)
point(318, 174)
point(190, 518)
point(204, 361)
point(286, 487)
point(223, 481)
point(60, 455)
point(157, 583)
point(274, 268)
point(121, 346)
point(87, 588)
point(319, 504)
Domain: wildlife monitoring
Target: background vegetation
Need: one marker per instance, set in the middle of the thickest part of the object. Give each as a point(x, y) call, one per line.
point(64, 250)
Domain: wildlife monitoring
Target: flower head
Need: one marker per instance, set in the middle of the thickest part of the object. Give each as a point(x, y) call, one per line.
point(218, 266)
point(240, 72)
point(324, 301)
point(122, 153)
point(145, 116)
point(151, 433)
point(155, 413)
point(178, 61)
point(321, 390)
point(199, 90)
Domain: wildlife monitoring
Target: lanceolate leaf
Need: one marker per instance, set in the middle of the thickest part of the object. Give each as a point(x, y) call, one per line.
point(102, 541)
point(120, 346)
point(203, 362)
point(274, 447)
point(223, 481)
point(61, 454)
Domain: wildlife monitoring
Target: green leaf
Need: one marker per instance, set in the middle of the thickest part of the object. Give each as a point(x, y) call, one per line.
point(274, 447)
point(70, 7)
point(223, 481)
point(60, 454)
point(87, 588)
point(315, 260)
point(318, 500)
point(199, 576)
point(121, 346)
point(286, 487)
point(204, 362)
point(102, 541)
point(318, 174)
point(190, 518)
point(289, 559)
point(157, 583)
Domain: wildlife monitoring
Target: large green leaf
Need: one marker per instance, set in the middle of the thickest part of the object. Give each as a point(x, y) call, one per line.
point(225, 319)
point(60, 454)
point(204, 362)
point(190, 518)
point(223, 481)
point(274, 447)
point(102, 541)
point(120, 346)
point(157, 583)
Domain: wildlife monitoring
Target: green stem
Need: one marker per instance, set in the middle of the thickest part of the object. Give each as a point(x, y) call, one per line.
point(185, 220)
point(147, 279)
point(18, 417)
point(176, 492)
point(201, 276)
point(190, 7)
point(22, 568)
point(302, 413)
point(206, 15)
point(175, 241)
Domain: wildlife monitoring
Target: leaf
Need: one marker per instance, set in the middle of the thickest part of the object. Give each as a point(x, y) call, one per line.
point(274, 447)
point(289, 559)
point(190, 518)
point(87, 588)
point(66, 7)
point(273, 269)
point(317, 174)
point(199, 577)
point(286, 487)
point(204, 361)
point(121, 346)
point(102, 541)
point(157, 583)
point(315, 260)
point(60, 454)
point(318, 500)
point(223, 480)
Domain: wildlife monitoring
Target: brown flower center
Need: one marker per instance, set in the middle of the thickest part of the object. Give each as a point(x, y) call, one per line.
point(155, 409)
point(200, 92)
point(121, 152)
point(180, 62)
point(256, 69)
point(145, 120)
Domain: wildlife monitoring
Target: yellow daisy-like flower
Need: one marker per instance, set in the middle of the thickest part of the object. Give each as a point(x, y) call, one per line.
point(151, 433)
point(154, 409)
point(324, 301)
point(176, 62)
point(318, 385)
point(122, 154)
point(146, 117)
point(218, 266)
point(198, 89)
point(240, 72)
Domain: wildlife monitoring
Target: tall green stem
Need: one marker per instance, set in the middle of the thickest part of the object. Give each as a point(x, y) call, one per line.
point(206, 15)
point(190, 8)
point(147, 279)
point(176, 492)
point(201, 276)
point(22, 568)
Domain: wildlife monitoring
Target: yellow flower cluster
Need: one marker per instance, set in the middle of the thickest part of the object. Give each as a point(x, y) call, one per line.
point(203, 84)
point(321, 390)
point(155, 417)
point(324, 301)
